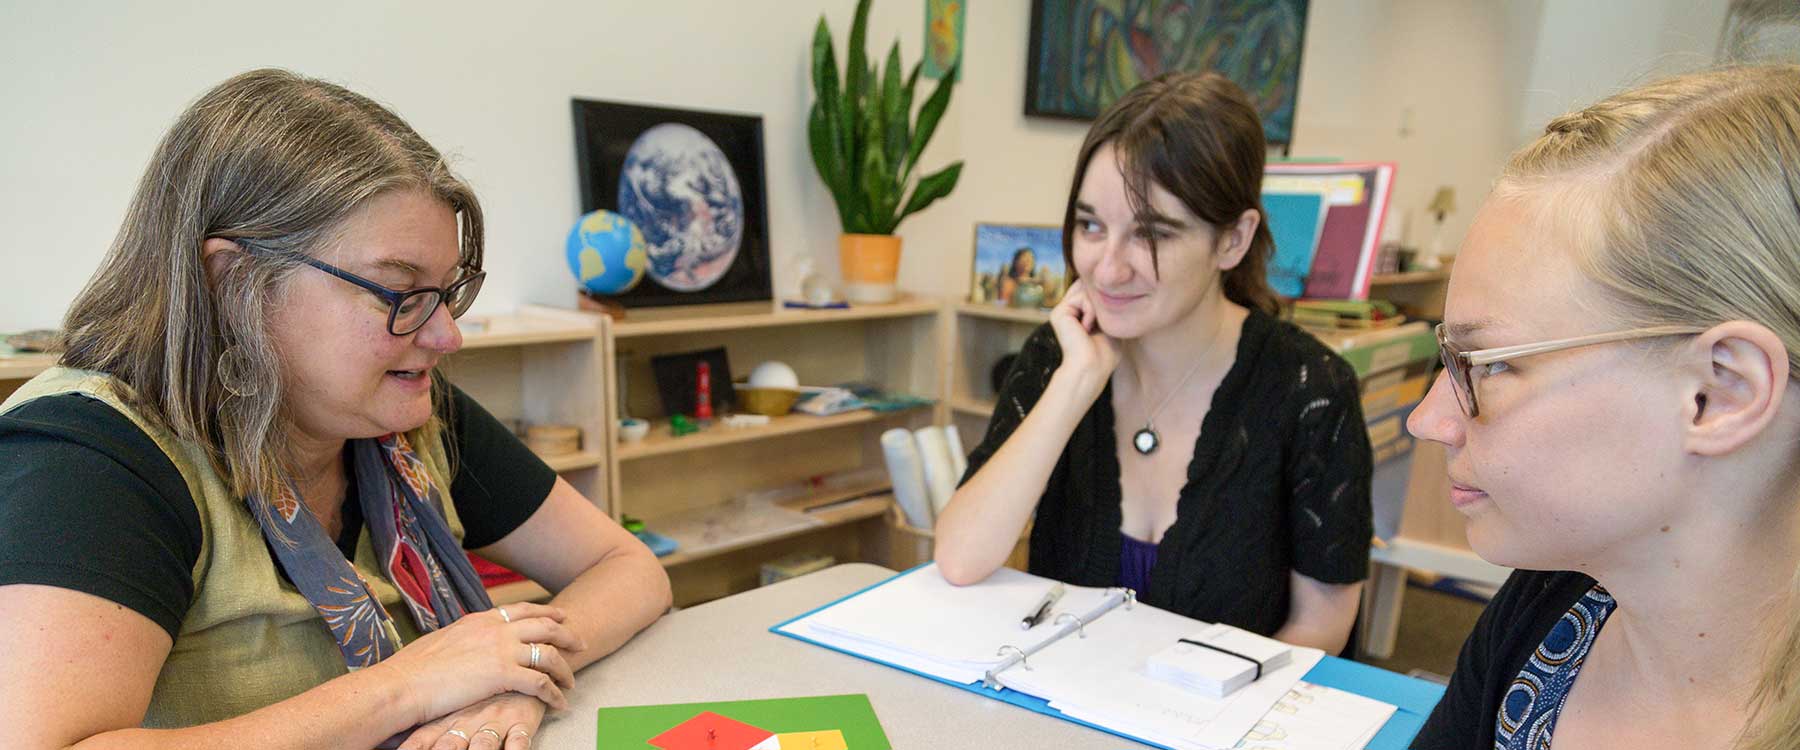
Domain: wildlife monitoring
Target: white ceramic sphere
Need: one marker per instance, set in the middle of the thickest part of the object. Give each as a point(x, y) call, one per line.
point(774, 374)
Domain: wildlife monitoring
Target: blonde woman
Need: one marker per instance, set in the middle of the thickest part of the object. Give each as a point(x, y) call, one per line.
point(236, 514)
point(1620, 411)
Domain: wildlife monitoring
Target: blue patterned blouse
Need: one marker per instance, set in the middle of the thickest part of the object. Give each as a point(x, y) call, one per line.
point(1535, 700)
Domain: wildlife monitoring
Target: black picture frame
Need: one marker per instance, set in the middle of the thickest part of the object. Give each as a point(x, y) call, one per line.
point(604, 134)
point(676, 375)
point(1272, 83)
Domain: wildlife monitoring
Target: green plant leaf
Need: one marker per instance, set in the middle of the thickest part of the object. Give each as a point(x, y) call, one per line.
point(856, 56)
point(931, 113)
point(906, 100)
point(828, 164)
point(825, 131)
point(880, 190)
point(930, 188)
point(893, 118)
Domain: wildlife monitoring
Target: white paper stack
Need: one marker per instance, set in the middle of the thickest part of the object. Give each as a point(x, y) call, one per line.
point(1235, 659)
point(959, 458)
point(907, 473)
point(940, 468)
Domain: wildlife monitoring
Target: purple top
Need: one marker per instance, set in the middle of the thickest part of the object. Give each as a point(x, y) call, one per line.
point(1136, 558)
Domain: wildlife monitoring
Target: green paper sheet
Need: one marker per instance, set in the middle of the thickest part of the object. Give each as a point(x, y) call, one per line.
point(631, 727)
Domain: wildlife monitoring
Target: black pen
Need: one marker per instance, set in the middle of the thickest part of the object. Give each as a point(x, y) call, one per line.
point(1042, 610)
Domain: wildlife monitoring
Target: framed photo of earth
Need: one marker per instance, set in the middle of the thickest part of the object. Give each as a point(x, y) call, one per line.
point(691, 183)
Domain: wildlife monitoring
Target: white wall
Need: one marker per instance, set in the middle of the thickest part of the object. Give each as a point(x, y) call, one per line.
point(89, 88)
point(1593, 48)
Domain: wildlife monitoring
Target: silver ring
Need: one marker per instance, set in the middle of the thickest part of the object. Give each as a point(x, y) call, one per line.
point(504, 617)
point(536, 651)
point(492, 731)
point(459, 734)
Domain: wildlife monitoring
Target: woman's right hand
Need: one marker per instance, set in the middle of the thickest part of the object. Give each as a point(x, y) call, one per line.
point(1088, 354)
point(483, 655)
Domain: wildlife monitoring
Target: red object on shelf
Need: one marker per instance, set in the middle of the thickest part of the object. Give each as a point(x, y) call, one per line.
point(492, 574)
point(703, 390)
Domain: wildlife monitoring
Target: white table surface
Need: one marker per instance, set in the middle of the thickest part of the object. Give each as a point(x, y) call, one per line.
point(722, 650)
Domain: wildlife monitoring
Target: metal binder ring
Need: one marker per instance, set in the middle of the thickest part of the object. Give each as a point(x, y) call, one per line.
point(1016, 650)
point(1080, 627)
point(1130, 595)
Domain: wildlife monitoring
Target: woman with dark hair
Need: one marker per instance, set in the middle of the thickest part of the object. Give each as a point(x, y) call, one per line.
point(1165, 430)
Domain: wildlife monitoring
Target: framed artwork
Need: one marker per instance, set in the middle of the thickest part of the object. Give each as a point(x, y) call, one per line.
point(1087, 53)
point(1018, 266)
point(677, 375)
point(943, 37)
point(692, 183)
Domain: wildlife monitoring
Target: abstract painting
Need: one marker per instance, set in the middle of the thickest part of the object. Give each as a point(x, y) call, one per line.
point(1087, 53)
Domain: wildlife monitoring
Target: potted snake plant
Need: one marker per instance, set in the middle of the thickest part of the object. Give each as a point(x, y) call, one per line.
point(866, 146)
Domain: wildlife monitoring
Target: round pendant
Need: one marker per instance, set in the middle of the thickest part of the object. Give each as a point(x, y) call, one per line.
point(1145, 441)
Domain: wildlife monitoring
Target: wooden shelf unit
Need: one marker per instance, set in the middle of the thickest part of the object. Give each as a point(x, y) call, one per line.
point(661, 440)
point(684, 483)
point(980, 335)
point(1409, 277)
point(541, 365)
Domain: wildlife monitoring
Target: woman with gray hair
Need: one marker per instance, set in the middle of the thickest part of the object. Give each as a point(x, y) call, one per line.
point(249, 385)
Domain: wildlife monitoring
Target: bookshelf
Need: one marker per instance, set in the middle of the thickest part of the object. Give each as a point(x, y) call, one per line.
point(541, 365)
point(982, 334)
point(709, 490)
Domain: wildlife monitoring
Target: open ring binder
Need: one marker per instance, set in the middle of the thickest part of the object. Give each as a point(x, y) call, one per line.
point(921, 623)
point(1065, 623)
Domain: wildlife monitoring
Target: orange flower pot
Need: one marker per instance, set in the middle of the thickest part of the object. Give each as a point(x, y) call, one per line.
point(871, 264)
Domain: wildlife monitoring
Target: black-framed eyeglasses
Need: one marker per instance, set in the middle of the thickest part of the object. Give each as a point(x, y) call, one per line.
point(408, 309)
point(1462, 366)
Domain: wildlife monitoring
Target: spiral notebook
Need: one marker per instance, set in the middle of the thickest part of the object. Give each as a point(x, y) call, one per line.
point(1085, 663)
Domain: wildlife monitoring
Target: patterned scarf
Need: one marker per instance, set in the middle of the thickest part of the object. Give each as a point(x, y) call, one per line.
point(403, 508)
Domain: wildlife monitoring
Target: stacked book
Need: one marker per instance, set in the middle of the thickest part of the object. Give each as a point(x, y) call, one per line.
point(1340, 315)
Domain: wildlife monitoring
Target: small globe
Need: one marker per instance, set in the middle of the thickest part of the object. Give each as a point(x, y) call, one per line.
point(606, 253)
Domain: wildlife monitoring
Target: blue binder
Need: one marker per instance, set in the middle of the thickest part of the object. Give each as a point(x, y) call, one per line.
point(1412, 697)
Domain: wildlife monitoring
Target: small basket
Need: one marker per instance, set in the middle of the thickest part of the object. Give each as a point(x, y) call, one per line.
point(908, 545)
point(772, 402)
point(553, 439)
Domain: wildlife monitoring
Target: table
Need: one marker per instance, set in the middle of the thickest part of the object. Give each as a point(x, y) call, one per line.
point(722, 650)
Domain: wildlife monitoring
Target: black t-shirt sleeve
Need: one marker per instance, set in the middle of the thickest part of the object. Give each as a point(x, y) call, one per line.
point(88, 502)
point(499, 482)
point(1329, 472)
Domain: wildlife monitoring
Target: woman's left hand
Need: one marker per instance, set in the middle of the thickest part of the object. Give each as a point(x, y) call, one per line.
point(512, 719)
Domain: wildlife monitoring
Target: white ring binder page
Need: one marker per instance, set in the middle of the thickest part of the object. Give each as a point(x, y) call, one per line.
point(923, 623)
point(970, 635)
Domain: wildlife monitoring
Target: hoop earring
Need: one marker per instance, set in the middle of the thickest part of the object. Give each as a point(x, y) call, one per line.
point(234, 373)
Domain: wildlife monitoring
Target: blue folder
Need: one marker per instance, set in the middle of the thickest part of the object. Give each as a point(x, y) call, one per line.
point(1295, 221)
point(1412, 697)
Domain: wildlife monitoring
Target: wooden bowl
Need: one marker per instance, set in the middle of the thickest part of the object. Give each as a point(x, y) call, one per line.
point(772, 402)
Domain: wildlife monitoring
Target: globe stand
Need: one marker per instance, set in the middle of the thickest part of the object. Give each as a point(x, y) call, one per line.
point(592, 302)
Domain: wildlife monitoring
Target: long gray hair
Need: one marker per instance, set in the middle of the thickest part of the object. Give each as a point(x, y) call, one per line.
point(267, 156)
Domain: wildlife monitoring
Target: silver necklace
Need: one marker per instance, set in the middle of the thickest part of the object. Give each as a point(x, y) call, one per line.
point(1146, 440)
